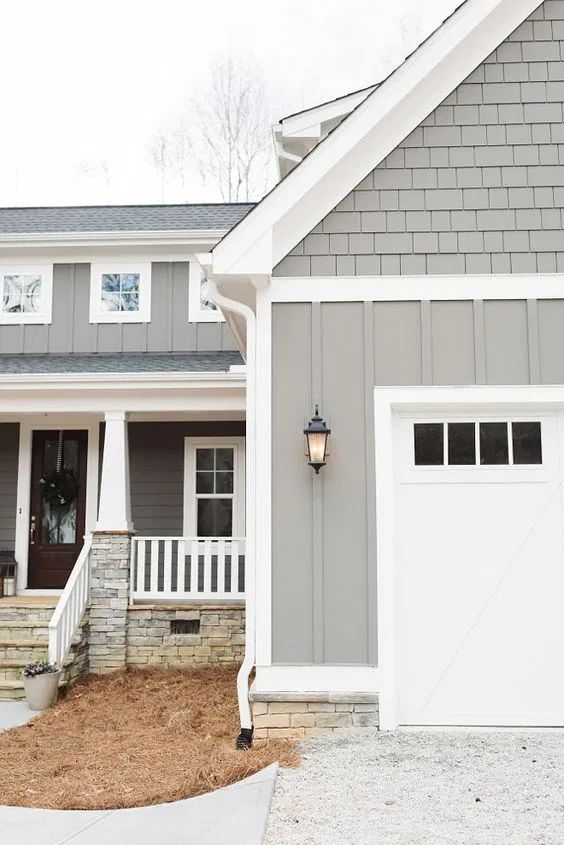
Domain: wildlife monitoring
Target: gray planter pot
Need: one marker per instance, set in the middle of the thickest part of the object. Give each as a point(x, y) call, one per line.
point(41, 690)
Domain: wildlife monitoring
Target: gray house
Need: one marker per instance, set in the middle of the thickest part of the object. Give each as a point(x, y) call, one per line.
point(405, 277)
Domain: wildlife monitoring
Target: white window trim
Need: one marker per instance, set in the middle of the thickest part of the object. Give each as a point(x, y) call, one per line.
point(190, 501)
point(97, 269)
point(45, 314)
point(196, 314)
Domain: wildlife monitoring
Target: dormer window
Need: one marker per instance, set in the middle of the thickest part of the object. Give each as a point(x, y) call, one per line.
point(120, 293)
point(26, 294)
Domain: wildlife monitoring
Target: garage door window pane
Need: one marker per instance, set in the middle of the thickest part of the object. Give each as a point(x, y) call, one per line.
point(429, 444)
point(494, 445)
point(461, 444)
point(527, 445)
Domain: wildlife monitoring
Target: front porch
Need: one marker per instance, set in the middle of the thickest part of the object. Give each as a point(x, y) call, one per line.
point(147, 554)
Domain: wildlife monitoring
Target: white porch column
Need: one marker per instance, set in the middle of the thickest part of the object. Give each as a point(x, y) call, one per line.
point(114, 513)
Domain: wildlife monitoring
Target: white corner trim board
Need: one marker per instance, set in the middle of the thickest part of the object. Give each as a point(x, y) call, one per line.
point(368, 135)
point(410, 288)
point(387, 401)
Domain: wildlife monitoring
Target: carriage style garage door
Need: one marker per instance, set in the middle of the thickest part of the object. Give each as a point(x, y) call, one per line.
point(479, 556)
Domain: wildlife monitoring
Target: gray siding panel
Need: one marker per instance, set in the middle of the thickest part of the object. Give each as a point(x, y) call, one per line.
point(477, 188)
point(292, 495)
point(397, 343)
point(344, 547)
point(507, 345)
point(323, 549)
point(9, 449)
point(551, 340)
point(452, 345)
point(156, 455)
point(71, 330)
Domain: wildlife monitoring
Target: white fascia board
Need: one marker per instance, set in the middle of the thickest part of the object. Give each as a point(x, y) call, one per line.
point(168, 237)
point(368, 135)
point(303, 122)
point(122, 381)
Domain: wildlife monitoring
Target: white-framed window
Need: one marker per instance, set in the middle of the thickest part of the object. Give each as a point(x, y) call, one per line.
point(214, 487)
point(27, 293)
point(200, 308)
point(120, 292)
point(477, 443)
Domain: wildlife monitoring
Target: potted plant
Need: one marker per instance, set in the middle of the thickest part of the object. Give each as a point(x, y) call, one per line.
point(41, 681)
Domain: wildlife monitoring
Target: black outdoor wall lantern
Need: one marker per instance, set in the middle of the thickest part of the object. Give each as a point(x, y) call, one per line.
point(316, 435)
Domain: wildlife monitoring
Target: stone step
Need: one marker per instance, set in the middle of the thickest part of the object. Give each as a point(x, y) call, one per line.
point(11, 689)
point(18, 628)
point(11, 668)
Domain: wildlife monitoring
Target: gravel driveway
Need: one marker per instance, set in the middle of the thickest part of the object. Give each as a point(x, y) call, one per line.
point(476, 788)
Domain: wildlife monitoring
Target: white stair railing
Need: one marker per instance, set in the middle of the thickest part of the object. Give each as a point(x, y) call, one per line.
point(70, 607)
point(188, 568)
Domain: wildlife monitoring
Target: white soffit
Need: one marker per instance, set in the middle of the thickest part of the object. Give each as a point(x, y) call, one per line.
point(368, 135)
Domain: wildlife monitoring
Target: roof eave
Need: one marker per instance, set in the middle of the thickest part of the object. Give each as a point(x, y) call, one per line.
point(165, 237)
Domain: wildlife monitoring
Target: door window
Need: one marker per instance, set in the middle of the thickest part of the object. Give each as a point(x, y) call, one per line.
point(501, 443)
point(59, 488)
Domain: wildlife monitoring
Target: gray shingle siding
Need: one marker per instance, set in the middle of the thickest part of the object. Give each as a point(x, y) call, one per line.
point(477, 188)
point(122, 218)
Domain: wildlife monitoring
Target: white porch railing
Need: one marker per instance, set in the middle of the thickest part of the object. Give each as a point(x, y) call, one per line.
point(70, 607)
point(187, 568)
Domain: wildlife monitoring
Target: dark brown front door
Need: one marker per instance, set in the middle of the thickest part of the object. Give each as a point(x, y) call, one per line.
point(56, 530)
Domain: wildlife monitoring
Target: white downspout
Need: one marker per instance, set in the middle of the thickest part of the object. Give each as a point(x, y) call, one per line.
point(245, 737)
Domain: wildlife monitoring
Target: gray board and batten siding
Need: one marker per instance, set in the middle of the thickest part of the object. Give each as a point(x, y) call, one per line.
point(330, 549)
point(72, 332)
point(478, 187)
point(9, 450)
point(71, 329)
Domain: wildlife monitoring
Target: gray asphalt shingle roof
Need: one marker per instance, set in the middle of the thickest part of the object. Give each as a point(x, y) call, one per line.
point(122, 218)
point(178, 362)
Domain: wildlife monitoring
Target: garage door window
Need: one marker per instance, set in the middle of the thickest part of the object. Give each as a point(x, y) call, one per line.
point(477, 443)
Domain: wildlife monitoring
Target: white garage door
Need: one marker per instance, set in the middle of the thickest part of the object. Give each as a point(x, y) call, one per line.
point(480, 570)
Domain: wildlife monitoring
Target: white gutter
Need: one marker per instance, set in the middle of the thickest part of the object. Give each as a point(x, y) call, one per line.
point(244, 739)
point(141, 236)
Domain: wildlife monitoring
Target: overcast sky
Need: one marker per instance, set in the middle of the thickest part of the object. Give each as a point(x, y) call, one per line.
point(90, 81)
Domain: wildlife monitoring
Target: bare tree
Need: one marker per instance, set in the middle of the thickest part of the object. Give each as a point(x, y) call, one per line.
point(226, 134)
point(161, 156)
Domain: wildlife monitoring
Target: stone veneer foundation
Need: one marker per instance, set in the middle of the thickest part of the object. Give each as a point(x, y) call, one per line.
point(298, 716)
point(219, 641)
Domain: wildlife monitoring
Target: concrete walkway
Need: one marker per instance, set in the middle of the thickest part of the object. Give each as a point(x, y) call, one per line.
point(236, 814)
point(14, 713)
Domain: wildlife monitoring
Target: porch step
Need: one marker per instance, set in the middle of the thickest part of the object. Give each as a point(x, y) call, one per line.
point(11, 668)
point(29, 629)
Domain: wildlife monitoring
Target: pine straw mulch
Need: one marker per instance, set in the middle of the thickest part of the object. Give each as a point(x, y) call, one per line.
point(131, 739)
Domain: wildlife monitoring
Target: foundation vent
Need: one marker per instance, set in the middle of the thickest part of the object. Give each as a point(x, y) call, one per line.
point(185, 626)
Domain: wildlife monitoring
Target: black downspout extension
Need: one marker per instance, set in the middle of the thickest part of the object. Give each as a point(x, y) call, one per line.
point(245, 739)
